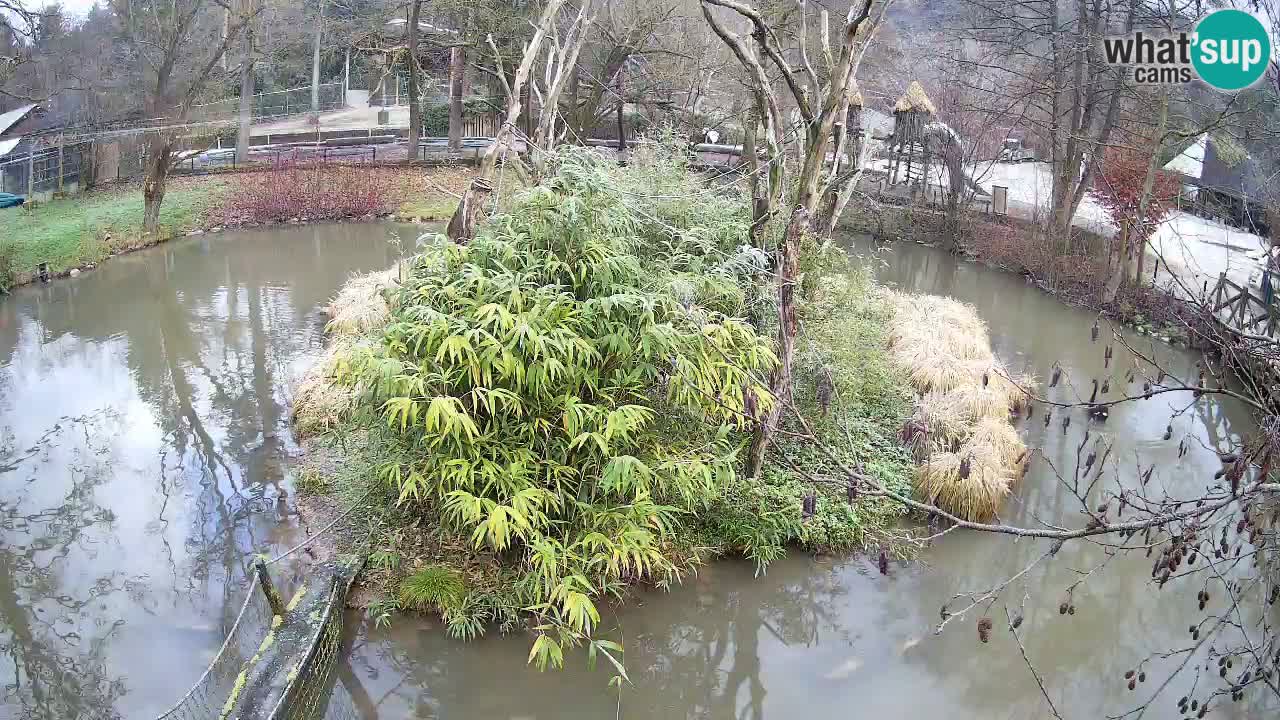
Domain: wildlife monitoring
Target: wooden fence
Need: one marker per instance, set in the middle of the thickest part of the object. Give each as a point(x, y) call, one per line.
point(1240, 308)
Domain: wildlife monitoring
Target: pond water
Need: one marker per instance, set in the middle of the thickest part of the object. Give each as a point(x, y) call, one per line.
point(144, 454)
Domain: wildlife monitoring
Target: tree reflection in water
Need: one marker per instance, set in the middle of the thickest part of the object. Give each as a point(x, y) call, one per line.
point(124, 531)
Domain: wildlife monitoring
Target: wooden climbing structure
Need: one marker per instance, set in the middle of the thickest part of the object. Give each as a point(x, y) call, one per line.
point(908, 145)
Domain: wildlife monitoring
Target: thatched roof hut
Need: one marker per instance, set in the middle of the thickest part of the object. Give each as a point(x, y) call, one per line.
point(915, 100)
point(911, 113)
point(853, 116)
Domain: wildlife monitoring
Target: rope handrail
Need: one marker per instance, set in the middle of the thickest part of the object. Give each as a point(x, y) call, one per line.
point(248, 597)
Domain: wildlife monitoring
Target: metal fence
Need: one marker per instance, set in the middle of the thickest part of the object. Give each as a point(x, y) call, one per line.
point(41, 173)
point(225, 158)
point(281, 663)
point(278, 103)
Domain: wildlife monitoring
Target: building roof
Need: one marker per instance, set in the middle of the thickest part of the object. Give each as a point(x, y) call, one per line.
point(8, 144)
point(423, 26)
point(13, 117)
point(1228, 168)
point(915, 99)
point(1190, 162)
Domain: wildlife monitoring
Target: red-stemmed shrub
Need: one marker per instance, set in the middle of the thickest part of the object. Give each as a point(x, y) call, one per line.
point(310, 192)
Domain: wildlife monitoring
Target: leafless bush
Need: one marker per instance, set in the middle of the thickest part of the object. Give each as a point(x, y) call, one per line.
point(313, 192)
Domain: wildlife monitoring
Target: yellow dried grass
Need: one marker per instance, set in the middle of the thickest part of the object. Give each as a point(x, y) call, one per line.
point(320, 403)
point(947, 421)
point(966, 396)
point(1002, 439)
point(359, 306)
point(975, 497)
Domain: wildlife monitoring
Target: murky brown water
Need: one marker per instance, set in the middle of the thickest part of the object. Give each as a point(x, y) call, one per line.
point(144, 454)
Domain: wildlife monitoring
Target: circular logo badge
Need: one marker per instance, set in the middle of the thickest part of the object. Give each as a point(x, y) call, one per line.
point(1232, 49)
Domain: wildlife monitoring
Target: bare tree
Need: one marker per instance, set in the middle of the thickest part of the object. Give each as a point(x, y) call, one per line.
point(415, 107)
point(17, 27)
point(181, 44)
point(457, 68)
point(247, 63)
point(560, 65)
point(315, 57)
point(462, 225)
point(819, 105)
point(1042, 59)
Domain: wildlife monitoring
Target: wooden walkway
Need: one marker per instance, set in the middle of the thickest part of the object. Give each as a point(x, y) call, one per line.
point(1241, 309)
point(1257, 321)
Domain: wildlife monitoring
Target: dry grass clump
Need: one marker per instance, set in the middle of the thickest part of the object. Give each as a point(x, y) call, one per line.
point(966, 398)
point(359, 309)
point(319, 403)
point(970, 484)
point(359, 306)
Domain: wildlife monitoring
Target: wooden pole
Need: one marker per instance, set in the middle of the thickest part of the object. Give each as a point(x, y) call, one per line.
point(62, 159)
point(267, 587)
point(31, 175)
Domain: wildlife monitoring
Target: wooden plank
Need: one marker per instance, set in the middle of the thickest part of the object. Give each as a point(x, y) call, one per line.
point(1224, 303)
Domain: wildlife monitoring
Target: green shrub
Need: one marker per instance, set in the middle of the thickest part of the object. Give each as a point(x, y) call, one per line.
point(433, 588)
point(564, 398)
point(554, 403)
point(7, 265)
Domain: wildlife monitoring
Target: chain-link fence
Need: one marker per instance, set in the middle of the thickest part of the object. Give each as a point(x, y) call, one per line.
point(45, 171)
point(279, 664)
point(278, 103)
point(208, 698)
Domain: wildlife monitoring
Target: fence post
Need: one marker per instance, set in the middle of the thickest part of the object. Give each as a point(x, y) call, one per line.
point(62, 159)
point(31, 175)
point(268, 589)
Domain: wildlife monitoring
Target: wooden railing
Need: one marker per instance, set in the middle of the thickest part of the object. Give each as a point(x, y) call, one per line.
point(1240, 308)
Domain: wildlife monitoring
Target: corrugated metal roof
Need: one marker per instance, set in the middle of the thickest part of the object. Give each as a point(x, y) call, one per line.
point(11, 118)
point(1190, 161)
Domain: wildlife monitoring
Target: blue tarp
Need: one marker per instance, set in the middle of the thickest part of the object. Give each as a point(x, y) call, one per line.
point(10, 200)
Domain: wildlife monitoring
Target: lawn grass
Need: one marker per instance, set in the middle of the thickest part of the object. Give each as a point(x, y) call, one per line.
point(86, 228)
point(428, 208)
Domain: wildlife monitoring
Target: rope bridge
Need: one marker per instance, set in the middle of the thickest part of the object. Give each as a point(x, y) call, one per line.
point(279, 660)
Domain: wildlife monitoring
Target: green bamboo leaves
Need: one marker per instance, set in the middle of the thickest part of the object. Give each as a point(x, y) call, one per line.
point(556, 401)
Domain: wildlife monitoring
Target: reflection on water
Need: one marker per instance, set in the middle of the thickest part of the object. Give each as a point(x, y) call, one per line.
point(833, 638)
point(144, 452)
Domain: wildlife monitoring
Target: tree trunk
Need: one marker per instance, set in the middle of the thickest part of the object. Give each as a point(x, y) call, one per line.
point(1117, 263)
point(462, 226)
point(622, 104)
point(759, 203)
point(457, 67)
point(315, 61)
point(787, 274)
point(246, 102)
point(573, 119)
point(415, 113)
point(1148, 185)
point(159, 150)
